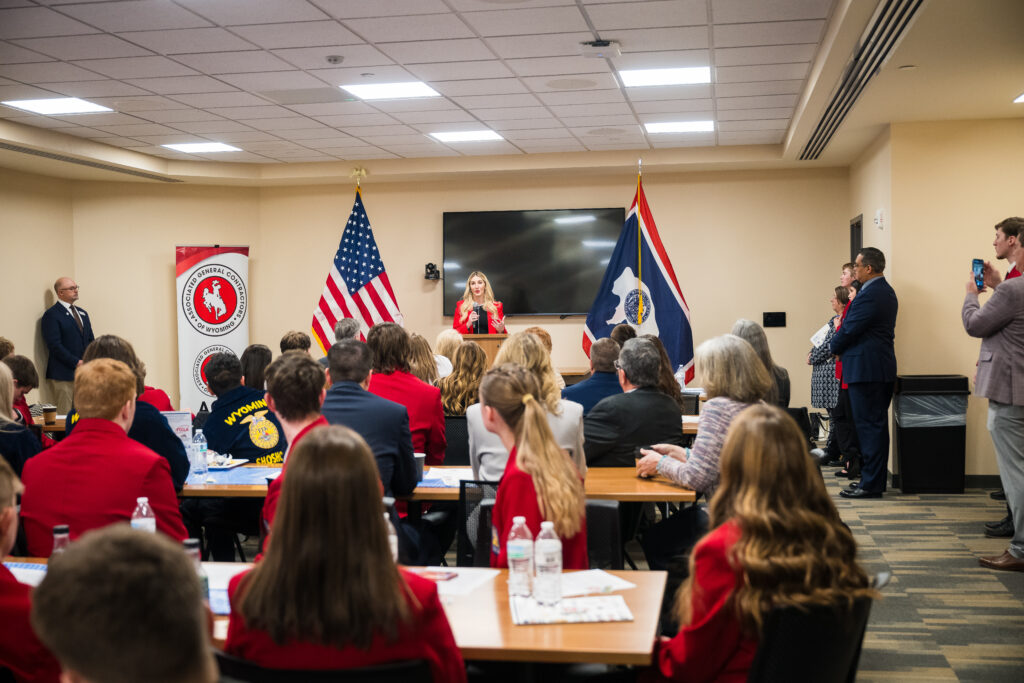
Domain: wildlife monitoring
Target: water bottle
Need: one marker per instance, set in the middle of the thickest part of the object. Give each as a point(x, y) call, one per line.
point(61, 539)
point(681, 377)
point(519, 550)
point(143, 517)
point(392, 537)
point(199, 464)
point(547, 553)
point(192, 551)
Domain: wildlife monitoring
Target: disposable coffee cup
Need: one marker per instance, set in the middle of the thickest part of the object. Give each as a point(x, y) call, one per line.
point(50, 415)
point(421, 458)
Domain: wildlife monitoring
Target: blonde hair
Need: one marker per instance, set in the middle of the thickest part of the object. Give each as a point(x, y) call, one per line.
point(421, 359)
point(793, 547)
point(467, 297)
point(728, 366)
point(447, 343)
point(102, 387)
point(461, 389)
point(527, 350)
point(511, 390)
point(6, 398)
point(10, 485)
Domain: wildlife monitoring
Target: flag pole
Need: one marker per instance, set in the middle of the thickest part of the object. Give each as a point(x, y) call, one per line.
point(639, 241)
point(358, 173)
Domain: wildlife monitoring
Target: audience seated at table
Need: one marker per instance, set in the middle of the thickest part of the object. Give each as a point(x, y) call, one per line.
point(545, 339)
point(295, 341)
point(93, 477)
point(540, 483)
point(255, 360)
point(461, 388)
point(6, 347)
point(148, 426)
point(327, 594)
point(777, 540)
point(21, 653)
point(603, 381)
point(26, 378)
point(123, 605)
point(17, 442)
point(346, 328)
point(754, 334)
point(422, 363)
point(622, 333)
point(445, 346)
point(393, 380)
point(487, 453)
point(667, 382)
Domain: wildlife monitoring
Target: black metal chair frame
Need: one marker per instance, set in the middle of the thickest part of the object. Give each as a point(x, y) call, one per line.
point(414, 671)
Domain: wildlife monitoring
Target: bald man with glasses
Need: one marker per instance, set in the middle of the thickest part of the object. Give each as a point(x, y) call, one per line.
point(67, 330)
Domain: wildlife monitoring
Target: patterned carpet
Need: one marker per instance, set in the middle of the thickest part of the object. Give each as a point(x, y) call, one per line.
point(943, 618)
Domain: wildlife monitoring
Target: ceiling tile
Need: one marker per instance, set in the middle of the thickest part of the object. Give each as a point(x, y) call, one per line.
point(764, 102)
point(38, 121)
point(398, 29)
point(333, 108)
point(670, 106)
point(756, 124)
point(429, 51)
point(96, 89)
point(38, 22)
point(143, 103)
point(345, 120)
point(550, 146)
point(607, 109)
point(220, 99)
point(614, 146)
point(769, 54)
point(665, 59)
point(510, 100)
point(406, 139)
point(387, 73)
point(266, 111)
point(305, 34)
point(570, 82)
point(23, 92)
point(418, 104)
point(179, 115)
point(283, 123)
point(370, 131)
point(582, 97)
point(47, 72)
point(422, 151)
point(120, 142)
point(188, 40)
point(495, 86)
point(485, 148)
point(303, 134)
point(554, 66)
point(515, 22)
point(380, 154)
point(764, 88)
point(180, 85)
point(657, 39)
point(744, 11)
point(336, 139)
point(250, 61)
point(177, 139)
point(667, 142)
point(84, 47)
point(356, 9)
point(610, 16)
point(521, 124)
point(136, 67)
point(503, 113)
point(751, 138)
point(316, 57)
point(232, 12)
point(743, 114)
point(695, 115)
point(12, 54)
point(131, 130)
point(274, 80)
point(768, 33)
point(765, 72)
point(538, 134)
point(456, 71)
point(552, 45)
point(84, 132)
point(487, 5)
point(141, 15)
point(669, 92)
point(610, 134)
point(247, 136)
point(596, 121)
point(444, 116)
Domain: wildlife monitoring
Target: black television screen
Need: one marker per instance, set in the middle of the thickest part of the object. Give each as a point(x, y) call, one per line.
point(547, 262)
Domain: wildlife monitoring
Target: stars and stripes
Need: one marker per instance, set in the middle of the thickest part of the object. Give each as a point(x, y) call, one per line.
point(357, 285)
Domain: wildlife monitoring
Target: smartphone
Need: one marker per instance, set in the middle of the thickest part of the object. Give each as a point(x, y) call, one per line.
point(978, 266)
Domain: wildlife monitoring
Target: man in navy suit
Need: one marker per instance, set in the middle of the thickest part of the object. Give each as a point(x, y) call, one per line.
point(865, 345)
point(603, 381)
point(382, 423)
point(66, 331)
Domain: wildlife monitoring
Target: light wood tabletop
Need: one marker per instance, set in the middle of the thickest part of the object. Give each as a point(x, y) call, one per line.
point(57, 426)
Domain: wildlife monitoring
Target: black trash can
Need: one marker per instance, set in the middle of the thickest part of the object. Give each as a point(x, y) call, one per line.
point(930, 422)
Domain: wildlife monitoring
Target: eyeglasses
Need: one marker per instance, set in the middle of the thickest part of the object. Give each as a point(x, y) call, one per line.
point(69, 289)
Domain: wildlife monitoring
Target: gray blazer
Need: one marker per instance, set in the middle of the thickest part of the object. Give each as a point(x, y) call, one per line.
point(488, 456)
point(1000, 324)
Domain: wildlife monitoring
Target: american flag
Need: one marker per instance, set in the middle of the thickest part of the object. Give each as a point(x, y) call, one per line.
point(357, 285)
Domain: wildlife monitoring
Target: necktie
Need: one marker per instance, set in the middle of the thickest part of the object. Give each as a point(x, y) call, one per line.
point(78, 319)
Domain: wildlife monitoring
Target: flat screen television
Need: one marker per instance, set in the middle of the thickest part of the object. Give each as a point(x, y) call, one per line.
point(546, 262)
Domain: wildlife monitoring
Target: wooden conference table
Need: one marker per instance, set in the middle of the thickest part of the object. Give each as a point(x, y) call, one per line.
point(57, 426)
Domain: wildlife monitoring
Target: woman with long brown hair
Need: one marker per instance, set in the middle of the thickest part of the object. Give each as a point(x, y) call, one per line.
point(777, 540)
point(421, 359)
point(327, 594)
point(540, 481)
point(478, 296)
point(667, 382)
point(461, 389)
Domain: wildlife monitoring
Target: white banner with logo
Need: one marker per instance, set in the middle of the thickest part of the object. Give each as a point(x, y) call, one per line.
point(213, 313)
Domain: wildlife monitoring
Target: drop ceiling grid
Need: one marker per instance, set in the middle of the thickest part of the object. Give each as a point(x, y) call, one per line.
point(179, 70)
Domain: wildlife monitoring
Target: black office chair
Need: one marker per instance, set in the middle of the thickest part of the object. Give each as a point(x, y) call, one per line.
point(803, 421)
point(604, 538)
point(473, 539)
point(415, 671)
point(456, 453)
point(819, 643)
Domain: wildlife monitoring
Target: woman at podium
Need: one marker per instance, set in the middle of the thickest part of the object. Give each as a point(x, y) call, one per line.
point(478, 302)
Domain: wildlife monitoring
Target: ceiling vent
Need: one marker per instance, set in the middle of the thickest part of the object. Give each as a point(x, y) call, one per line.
point(90, 164)
point(887, 27)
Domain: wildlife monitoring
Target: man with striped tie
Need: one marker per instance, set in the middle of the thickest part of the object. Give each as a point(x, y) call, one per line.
point(66, 331)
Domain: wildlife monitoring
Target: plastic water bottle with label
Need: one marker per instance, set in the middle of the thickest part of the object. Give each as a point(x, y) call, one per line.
point(61, 539)
point(519, 549)
point(143, 517)
point(199, 462)
point(392, 537)
point(547, 555)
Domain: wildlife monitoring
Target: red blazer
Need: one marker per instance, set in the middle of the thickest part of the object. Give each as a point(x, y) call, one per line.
point(428, 637)
point(517, 496)
point(274, 487)
point(712, 647)
point(20, 650)
point(157, 398)
point(463, 327)
point(423, 401)
point(90, 480)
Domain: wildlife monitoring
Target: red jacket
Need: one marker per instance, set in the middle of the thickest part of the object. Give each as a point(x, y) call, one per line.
point(712, 647)
point(423, 401)
point(839, 361)
point(517, 496)
point(463, 327)
point(157, 398)
point(90, 480)
point(428, 637)
point(20, 650)
point(274, 488)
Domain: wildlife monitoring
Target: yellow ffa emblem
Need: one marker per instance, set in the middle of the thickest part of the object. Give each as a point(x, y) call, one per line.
point(262, 431)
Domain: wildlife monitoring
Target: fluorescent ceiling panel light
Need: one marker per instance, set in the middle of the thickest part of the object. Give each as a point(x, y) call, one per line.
point(202, 147)
point(633, 78)
point(1019, 100)
point(681, 127)
point(57, 105)
point(390, 91)
point(466, 136)
point(574, 219)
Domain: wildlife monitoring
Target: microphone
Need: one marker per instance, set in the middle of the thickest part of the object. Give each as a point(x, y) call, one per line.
point(481, 321)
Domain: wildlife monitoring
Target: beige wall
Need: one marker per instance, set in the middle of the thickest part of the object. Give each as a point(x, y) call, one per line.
point(871, 192)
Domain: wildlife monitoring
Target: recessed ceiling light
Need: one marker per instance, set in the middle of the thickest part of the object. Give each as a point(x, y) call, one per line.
point(466, 136)
point(681, 127)
point(1020, 99)
point(390, 91)
point(57, 105)
point(638, 77)
point(202, 147)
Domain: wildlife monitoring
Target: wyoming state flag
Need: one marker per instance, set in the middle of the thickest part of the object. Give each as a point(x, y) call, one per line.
point(640, 288)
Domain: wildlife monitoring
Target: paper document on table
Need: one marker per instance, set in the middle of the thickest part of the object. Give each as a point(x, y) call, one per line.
point(220, 573)
point(448, 477)
point(457, 580)
point(592, 582)
point(818, 338)
point(220, 630)
point(595, 609)
point(28, 573)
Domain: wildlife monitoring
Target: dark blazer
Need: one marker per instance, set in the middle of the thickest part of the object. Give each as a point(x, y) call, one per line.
point(65, 342)
point(590, 391)
point(617, 425)
point(18, 444)
point(865, 340)
point(385, 426)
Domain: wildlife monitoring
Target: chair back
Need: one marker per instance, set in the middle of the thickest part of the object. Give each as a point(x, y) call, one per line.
point(691, 404)
point(415, 671)
point(473, 539)
point(456, 431)
point(803, 421)
point(604, 537)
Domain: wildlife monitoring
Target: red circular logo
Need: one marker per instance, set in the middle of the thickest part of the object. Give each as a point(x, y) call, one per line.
point(215, 300)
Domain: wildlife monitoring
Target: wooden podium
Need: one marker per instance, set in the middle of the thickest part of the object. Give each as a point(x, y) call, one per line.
point(489, 343)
